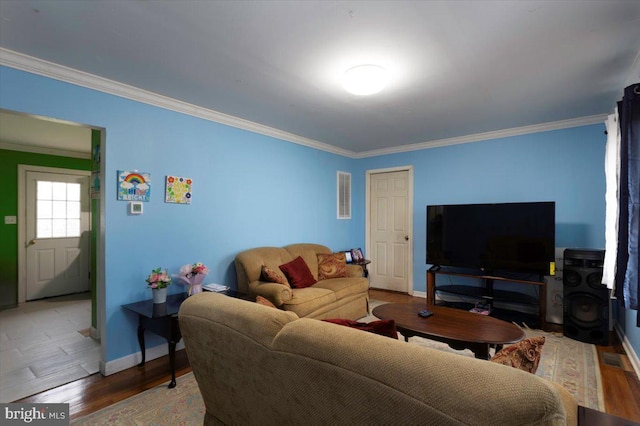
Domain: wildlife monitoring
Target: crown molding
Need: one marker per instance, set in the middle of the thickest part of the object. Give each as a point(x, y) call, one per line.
point(44, 68)
point(10, 146)
point(477, 137)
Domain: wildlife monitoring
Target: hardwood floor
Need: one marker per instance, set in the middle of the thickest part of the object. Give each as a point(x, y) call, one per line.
point(620, 383)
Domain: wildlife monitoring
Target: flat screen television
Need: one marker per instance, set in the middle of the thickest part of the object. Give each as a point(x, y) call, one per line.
point(493, 238)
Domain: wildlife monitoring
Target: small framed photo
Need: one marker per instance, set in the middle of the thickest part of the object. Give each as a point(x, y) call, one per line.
point(347, 255)
point(135, 207)
point(356, 255)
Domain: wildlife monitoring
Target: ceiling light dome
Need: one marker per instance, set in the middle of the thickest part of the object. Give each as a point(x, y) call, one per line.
point(365, 80)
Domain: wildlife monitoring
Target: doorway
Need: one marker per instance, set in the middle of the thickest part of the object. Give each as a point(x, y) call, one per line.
point(389, 228)
point(56, 225)
point(46, 145)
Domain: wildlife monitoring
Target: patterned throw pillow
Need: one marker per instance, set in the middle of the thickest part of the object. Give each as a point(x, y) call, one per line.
point(265, 302)
point(332, 265)
point(298, 273)
point(524, 355)
point(272, 276)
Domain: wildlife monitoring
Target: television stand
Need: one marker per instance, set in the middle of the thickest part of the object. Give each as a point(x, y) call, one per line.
point(488, 293)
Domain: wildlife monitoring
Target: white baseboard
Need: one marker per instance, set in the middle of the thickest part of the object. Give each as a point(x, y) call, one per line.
point(111, 367)
point(422, 294)
point(95, 333)
point(631, 354)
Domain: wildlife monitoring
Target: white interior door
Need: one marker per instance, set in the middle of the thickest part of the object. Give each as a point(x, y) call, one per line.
point(57, 234)
point(389, 230)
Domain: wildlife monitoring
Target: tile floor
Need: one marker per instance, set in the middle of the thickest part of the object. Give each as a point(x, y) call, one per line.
point(43, 344)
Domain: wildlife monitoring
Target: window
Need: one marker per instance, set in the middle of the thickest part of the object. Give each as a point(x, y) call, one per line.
point(344, 195)
point(57, 209)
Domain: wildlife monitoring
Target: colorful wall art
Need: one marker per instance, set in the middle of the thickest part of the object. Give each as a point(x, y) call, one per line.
point(178, 190)
point(134, 186)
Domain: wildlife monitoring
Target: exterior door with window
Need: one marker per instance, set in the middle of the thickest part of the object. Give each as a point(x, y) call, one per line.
point(57, 231)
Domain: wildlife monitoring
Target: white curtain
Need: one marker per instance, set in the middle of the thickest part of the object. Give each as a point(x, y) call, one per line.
point(612, 198)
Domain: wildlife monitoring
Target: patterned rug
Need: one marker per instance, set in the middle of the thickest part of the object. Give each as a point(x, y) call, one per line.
point(181, 405)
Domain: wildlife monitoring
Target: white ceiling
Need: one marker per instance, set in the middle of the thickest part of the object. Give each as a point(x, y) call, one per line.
point(43, 134)
point(458, 67)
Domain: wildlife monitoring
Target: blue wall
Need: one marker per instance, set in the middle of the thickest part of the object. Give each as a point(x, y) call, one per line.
point(565, 166)
point(251, 190)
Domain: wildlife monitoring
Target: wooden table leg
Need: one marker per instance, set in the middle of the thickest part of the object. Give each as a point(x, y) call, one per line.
point(172, 364)
point(141, 341)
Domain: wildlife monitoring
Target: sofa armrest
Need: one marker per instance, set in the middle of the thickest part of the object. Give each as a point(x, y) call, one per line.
point(276, 293)
point(354, 271)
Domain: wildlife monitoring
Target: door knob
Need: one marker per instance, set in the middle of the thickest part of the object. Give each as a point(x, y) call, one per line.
point(30, 243)
point(406, 238)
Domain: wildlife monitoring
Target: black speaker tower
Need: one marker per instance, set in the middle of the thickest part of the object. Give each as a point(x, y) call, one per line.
point(586, 300)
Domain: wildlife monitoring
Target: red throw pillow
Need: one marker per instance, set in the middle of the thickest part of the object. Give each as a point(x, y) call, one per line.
point(381, 327)
point(298, 273)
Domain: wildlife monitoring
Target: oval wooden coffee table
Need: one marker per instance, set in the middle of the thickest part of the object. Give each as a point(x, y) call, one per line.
point(458, 328)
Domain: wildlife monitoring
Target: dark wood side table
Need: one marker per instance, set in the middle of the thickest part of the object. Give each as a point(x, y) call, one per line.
point(363, 264)
point(162, 319)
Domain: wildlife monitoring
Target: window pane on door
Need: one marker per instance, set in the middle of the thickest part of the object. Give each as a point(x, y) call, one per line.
point(43, 228)
point(57, 209)
point(44, 209)
point(59, 228)
point(59, 190)
point(44, 190)
point(73, 209)
point(73, 192)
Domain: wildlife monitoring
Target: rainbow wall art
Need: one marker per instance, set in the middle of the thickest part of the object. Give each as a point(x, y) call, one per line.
point(134, 186)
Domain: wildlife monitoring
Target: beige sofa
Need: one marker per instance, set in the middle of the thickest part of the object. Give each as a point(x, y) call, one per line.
point(330, 298)
point(259, 365)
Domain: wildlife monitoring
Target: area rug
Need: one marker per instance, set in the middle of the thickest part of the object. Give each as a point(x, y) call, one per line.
point(565, 361)
point(181, 405)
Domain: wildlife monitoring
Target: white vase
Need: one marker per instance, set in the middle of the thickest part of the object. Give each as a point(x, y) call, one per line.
point(159, 295)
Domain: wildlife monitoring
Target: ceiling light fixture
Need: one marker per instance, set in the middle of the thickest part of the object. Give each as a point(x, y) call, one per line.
point(365, 80)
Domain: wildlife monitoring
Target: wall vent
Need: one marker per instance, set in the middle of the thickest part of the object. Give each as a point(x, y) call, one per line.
point(344, 195)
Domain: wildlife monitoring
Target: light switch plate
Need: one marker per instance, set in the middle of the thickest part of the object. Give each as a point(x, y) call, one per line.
point(10, 220)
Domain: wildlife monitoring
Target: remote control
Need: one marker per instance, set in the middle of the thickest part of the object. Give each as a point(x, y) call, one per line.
point(425, 313)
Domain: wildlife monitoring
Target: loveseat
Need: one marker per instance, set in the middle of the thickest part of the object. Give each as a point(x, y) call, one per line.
point(344, 297)
point(259, 365)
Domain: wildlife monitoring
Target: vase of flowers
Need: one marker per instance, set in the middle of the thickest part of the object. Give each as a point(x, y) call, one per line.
point(192, 275)
point(158, 281)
